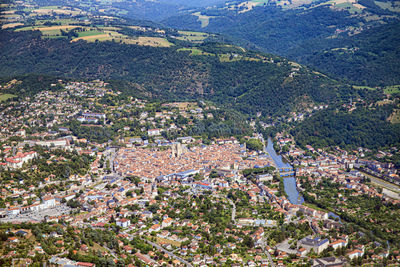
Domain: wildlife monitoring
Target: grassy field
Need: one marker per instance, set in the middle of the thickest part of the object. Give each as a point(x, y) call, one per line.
point(205, 20)
point(229, 57)
point(93, 38)
point(349, 7)
point(51, 10)
point(154, 41)
point(363, 87)
point(49, 31)
point(195, 37)
point(11, 25)
point(395, 89)
point(196, 52)
point(5, 97)
point(89, 33)
point(92, 34)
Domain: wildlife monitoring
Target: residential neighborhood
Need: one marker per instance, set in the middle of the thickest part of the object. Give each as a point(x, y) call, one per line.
point(86, 183)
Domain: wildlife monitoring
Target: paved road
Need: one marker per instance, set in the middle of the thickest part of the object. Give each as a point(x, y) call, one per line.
point(285, 246)
point(312, 227)
point(264, 248)
point(379, 180)
point(233, 210)
point(385, 184)
point(168, 252)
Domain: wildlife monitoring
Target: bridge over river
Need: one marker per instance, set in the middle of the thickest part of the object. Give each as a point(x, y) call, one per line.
point(286, 171)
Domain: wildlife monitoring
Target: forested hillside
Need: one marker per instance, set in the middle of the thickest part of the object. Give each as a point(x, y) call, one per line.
point(248, 81)
point(361, 46)
point(369, 58)
point(270, 28)
point(364, 127)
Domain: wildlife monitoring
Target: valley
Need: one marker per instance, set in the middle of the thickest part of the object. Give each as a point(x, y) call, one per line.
point(199, 133)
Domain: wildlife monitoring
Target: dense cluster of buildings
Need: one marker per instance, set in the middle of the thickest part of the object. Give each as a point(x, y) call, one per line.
point(163, 164)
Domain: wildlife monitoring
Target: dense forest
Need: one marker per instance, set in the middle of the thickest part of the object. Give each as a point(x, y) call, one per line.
point(364, 127)
point(317, 36)
point(272, 87)
point(369, 58)
point(272, 29)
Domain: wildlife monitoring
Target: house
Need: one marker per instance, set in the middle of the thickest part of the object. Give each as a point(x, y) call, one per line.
point(13, 211)
point(87, 119)
point(123, 223)
point(264, 177)
point(20, 158)
point(146, 259)
point(355, 254)
point(167, 222)
point(154, 132)
point(13, 239)
point(302, 251)
point(94, 115)
point(54, 143)
point(155, 228)
point(338, 244)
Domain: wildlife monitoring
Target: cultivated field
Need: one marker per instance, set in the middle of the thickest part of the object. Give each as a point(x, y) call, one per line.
point(11, 25)
point(92, 38)
point(196, 52)
point(153, 41)
point(195, 37)
point(49, 31)
point(93, 34)
point(395, 89)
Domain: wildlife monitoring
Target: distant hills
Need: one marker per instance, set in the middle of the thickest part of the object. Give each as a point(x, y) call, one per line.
point(343, 38)
point(353, 40)
point(369, 58)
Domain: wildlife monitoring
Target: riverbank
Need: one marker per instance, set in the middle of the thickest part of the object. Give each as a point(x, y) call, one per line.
point(289, 182)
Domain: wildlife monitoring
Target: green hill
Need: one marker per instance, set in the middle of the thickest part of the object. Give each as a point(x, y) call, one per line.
point(369, 58)
point(247, 81)
point(364, 127)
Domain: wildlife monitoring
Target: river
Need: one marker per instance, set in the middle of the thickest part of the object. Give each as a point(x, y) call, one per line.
point(288, 182)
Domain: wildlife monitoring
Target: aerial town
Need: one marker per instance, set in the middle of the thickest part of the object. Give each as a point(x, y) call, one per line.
point(92, 178)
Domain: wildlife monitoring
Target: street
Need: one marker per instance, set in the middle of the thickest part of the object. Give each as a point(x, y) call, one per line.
point(168, 252)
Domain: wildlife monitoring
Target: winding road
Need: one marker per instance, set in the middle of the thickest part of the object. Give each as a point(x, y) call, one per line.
point(233, 210)
point(168, 252)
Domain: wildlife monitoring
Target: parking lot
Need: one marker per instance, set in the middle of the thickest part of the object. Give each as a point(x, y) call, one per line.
point(38, 216)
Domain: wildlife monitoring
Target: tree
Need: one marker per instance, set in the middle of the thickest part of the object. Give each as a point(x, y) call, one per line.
point(248, 241)
point(254, 144)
